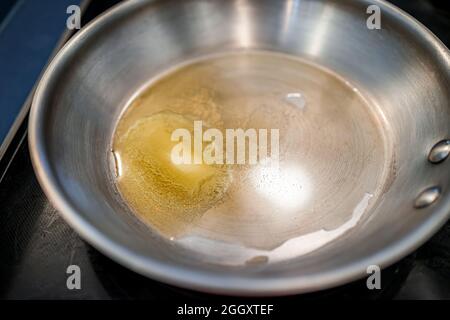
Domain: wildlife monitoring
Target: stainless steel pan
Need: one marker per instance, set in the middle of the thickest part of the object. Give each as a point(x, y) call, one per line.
point(402, 68)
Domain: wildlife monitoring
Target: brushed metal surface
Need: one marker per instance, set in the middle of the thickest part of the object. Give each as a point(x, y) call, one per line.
point(402, 68)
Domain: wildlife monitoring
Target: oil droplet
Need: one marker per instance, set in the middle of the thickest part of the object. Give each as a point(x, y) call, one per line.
point(296, 99)
point(257, 260)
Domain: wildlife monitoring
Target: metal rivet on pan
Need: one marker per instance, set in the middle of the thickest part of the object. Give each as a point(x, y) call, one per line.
point(427, 197)
point(440, 151)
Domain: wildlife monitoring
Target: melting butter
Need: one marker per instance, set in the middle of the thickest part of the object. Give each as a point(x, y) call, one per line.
point(169, 196)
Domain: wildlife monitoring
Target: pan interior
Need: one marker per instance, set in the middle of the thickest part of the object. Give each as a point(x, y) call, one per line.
point(331, 169)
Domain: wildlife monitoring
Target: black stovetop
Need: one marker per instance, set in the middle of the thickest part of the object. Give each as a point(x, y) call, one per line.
point(36, 245)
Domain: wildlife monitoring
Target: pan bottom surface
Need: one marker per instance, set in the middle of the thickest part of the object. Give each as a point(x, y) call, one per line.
point(322, 157)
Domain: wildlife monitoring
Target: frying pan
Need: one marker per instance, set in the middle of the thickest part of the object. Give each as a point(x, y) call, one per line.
point(402, 68)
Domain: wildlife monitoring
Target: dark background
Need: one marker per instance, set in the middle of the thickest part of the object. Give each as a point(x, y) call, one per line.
point(36, 245)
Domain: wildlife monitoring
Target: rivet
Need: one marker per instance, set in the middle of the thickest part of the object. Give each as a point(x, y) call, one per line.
point(439, 152)
point(427, 197)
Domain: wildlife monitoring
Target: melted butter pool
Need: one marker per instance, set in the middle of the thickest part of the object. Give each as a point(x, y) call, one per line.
point(333, 158)
point(154, 185)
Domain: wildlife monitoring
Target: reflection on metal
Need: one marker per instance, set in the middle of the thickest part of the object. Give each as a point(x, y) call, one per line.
point(440, 152)
point(427, 197)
